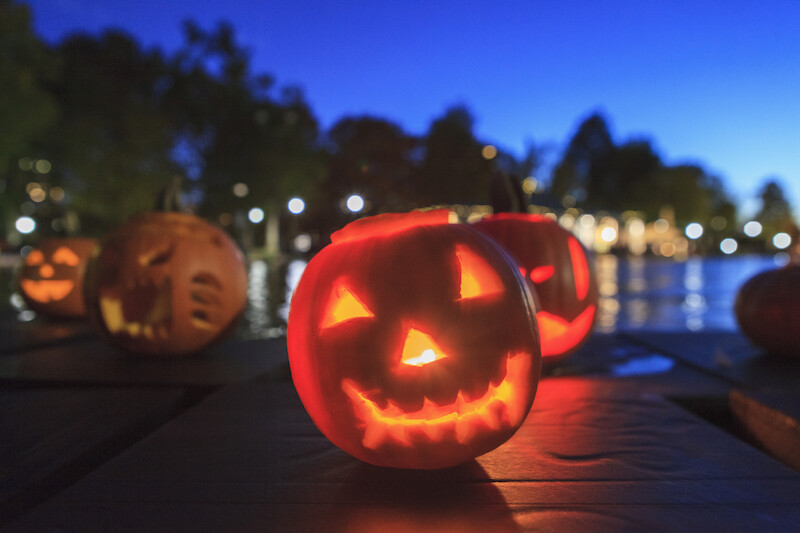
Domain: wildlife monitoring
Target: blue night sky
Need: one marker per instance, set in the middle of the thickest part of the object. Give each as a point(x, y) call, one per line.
point(710, 82)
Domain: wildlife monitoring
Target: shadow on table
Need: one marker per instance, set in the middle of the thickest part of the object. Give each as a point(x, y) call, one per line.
point(462, 498)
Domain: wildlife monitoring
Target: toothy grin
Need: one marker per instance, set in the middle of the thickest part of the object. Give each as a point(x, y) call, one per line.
point(44, 291)
point(141, 311)
point(499, 406)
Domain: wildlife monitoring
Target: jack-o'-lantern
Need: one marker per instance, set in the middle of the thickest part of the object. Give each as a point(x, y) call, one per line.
point(558, 267)
point(413, 341)
point(51, 279)
point(767, 307)
point(165, 284)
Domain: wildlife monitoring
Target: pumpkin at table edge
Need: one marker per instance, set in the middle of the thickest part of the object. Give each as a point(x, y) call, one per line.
point(165, 284)
point(413, 342)
point(767, 308)
point(51, 278)
point(561, 274)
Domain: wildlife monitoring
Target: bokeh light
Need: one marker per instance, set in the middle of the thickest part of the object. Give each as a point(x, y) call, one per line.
point(296, 205)
point(25, 225)
point(728, 246)
point(781, 240)
point(752, 229)
point(355, 203)
point(255, 215)
point(694, 230)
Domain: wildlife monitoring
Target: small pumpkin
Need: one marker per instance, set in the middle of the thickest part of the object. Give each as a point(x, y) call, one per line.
point(413, 342)
point(51, 278)
point(561, 274)
point(166, 283)
point(767, 307)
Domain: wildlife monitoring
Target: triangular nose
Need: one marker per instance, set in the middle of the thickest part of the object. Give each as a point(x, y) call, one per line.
point(420, 349)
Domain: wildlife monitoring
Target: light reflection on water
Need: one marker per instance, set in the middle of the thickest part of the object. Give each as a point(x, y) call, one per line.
point(635, 293)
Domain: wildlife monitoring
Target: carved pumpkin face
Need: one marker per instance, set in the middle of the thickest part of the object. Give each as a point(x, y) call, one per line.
point(558, 267)
point(412, 342)
point(166, 284)
point(51, 280)
point(767, 308)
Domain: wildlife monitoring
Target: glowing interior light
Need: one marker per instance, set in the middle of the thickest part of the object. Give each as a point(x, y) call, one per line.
point(501, 405)
point(542, 273)
point(419, 349)
point(343, 305)
point(580, 268)
point(65, 256)
point(477, 277)
point(558, 335)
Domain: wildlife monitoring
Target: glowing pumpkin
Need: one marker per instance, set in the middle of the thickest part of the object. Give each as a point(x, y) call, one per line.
point(767, 307)
point(51, 279)
point(413, 342)
point(166, 284)
point(558, 267)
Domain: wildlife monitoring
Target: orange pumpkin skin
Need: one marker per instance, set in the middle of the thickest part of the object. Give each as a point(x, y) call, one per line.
point(413, 342)
point(166, 284)
point(560, 271)
point(51, 279)
point(767, 307)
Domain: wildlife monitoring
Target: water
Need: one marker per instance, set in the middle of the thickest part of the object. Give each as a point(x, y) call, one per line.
point(636, 293)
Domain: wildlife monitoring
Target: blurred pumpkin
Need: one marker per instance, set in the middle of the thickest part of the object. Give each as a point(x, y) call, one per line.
point(51, 278)
point(166, 284)
point(558, 268)
point(767, 307)
point(413, 342)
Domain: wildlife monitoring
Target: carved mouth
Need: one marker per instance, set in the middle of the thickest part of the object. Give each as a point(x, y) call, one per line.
point(502, 405)
point(143, 310)
point(44, 291)
point(559, 335)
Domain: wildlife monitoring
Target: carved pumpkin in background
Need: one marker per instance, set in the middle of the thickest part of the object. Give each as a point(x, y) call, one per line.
point(767, 308)
point(51, 279)
point(558, 267)
point(166, 284)
point(413, 342)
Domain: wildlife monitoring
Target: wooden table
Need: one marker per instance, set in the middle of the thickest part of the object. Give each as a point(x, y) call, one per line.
point(622, 437)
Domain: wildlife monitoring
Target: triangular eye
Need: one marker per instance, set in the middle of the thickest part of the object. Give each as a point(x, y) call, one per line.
point(580, 268)
point(542, 273)
point(34, 258)
point(478, 278)
point(343, 305)
point(419, 349)
point(65, 256)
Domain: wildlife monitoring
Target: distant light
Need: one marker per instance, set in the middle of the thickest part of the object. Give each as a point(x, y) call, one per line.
point(226, 219)
point(42, 166)
point(781, 240)
point(586, 221)
point(752, 229)
point(302, 243)
point(636, 227)
point(728, 246)
point(661, 225)
point(718, 223)
point(355, 203)
point(529, 185)
point(255, 215)
point(25, 225)
point(296, 205)
point(37, 194)
point(489, 152)
point(608, 234)
point(57, 194)
point(240, 190)
point(694, 230)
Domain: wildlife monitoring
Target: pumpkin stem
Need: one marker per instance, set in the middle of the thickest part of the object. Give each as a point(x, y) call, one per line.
point(169, 199)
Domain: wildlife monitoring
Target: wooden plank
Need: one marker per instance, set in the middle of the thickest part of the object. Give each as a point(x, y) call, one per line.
point(249, 458)
point(53, 437)
point(773, 419)
point(94, 362)
point(16, 336)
